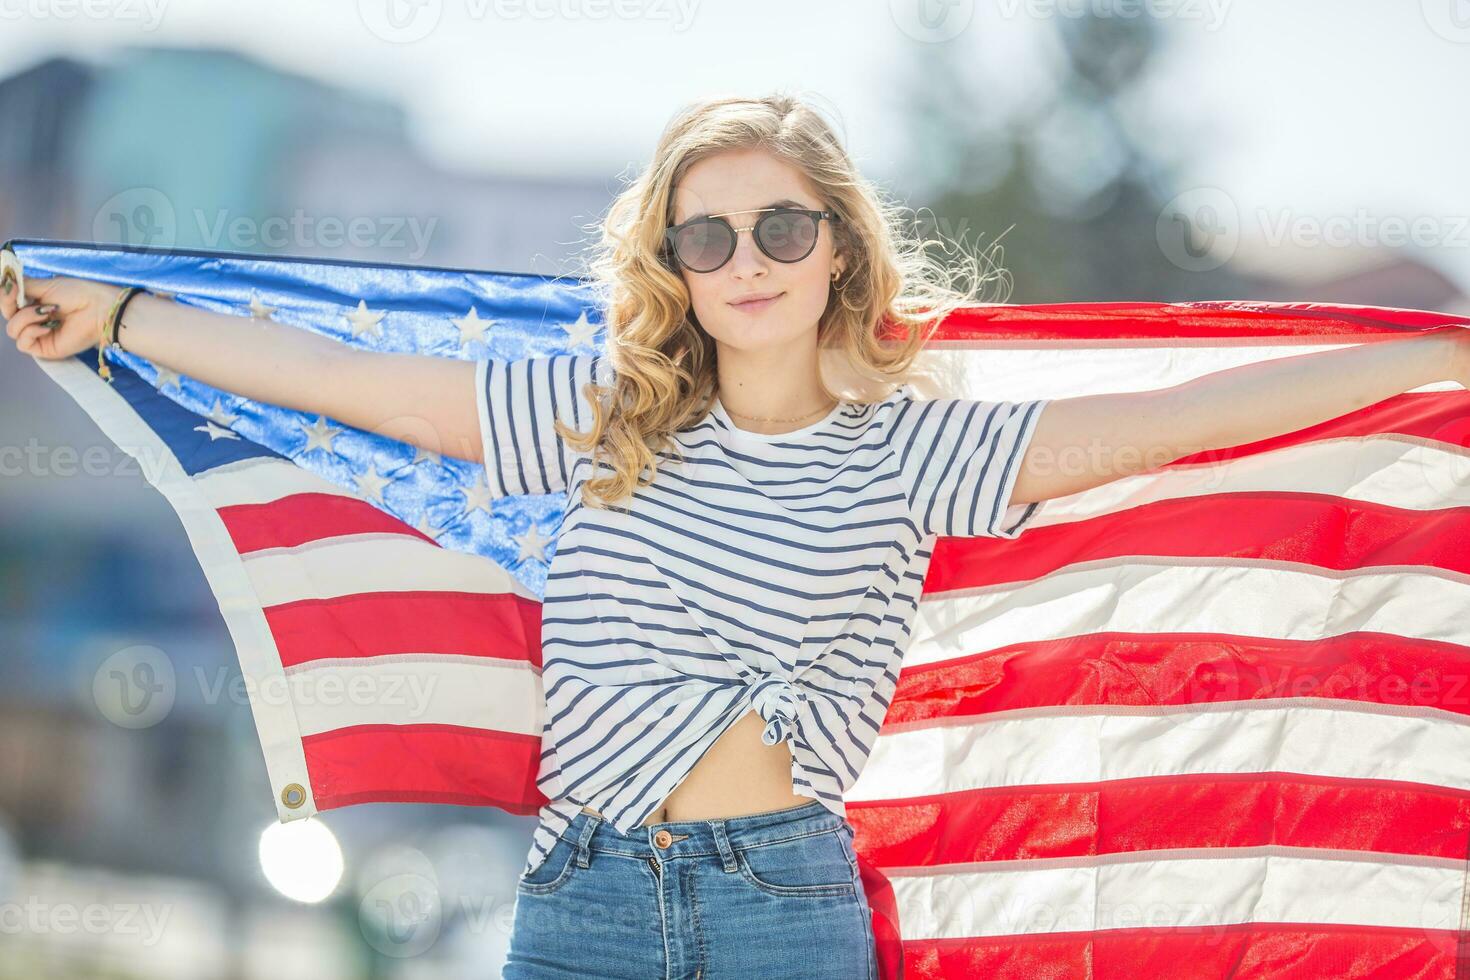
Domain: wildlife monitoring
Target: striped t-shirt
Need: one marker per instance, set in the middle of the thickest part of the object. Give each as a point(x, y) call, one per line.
point(774, 573)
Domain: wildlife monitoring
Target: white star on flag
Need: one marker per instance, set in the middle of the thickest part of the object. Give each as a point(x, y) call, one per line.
point(533, 544)
point(220, 415)
point(471, 328)
point(215, 432)
point(371, 483)
point(319, 435)
point(580, 332)
point(258, 309)
point(477, 496)
point(365, 321)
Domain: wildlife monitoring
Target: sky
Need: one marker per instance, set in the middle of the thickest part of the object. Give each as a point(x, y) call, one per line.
point(1312, 113)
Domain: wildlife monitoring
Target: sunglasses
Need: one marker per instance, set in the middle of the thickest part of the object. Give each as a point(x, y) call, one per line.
point(706, 243)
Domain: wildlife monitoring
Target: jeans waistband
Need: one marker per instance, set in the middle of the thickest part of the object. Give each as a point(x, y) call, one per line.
point(698, 838)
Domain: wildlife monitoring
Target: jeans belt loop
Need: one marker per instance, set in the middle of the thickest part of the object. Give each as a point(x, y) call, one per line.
point(727, 853)
point(583, 851)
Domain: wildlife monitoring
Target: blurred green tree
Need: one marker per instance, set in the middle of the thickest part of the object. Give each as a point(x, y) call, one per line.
point(1062, 176)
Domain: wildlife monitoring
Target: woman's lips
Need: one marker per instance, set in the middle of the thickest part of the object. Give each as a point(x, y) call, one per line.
point(757, 305)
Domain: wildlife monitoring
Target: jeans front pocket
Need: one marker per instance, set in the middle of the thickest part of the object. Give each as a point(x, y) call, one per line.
point(813, 865)
point(552, 872)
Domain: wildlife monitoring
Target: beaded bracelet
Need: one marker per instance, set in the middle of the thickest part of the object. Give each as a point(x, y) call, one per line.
point(108, 337)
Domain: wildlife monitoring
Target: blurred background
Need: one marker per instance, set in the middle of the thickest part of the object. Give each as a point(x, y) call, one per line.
point(1164, 150)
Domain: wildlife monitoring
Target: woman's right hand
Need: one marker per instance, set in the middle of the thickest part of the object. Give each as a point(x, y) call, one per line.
point(77, 307)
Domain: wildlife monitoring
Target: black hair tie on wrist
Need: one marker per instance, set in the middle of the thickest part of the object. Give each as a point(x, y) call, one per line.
point(117, 317)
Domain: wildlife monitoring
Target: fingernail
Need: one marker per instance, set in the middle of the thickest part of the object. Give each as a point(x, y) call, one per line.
point(49, 324)
point(49, 308)
point(9, 284)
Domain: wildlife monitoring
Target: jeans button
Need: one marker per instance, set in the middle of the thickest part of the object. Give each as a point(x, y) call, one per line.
point(663, 838)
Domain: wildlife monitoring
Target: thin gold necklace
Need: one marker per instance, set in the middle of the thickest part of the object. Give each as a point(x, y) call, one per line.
point(758, 418)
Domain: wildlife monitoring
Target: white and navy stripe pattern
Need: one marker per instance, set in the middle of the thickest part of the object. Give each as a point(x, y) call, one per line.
point(518, 400)
point(771, 573)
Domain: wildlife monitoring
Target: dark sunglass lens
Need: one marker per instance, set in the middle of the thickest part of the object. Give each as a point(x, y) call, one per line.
point(703, 245)
point(787, 236)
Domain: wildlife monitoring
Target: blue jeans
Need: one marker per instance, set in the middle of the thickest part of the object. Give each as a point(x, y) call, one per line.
point(763, 895)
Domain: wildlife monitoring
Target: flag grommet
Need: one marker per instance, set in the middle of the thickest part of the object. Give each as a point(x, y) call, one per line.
point(293, 795)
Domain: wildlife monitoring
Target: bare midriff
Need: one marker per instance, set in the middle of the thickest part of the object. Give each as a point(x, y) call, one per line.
point(738, 775)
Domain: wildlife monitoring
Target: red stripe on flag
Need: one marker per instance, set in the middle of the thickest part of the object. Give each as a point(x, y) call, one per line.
point(503, 625)
point(1159, 812)
point(1173, 325)
point(303, 517)
point(1296, 528)
point(424, 764)
point(1142, 669)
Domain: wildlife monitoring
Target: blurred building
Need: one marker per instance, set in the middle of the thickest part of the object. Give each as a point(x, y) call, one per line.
point(1358, 276)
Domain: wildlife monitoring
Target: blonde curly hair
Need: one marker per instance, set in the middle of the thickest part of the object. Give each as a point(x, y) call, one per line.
point(890, 297)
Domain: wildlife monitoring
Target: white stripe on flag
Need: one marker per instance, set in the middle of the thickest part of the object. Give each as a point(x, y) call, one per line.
point(417, 689)
point(1067, 369)
point(1311, 736)
point(262, 480)
point(366, 563)
point(1178, 889)
point(1208, 596)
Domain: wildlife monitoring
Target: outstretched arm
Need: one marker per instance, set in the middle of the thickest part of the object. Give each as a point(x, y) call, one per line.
point(414, 398)
point(423, 400)
point(1091, 440)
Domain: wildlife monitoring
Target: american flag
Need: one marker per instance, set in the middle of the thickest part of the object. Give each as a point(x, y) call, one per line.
point(1205, 721)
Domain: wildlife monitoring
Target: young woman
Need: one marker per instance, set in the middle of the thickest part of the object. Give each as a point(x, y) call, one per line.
point(743, 549)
